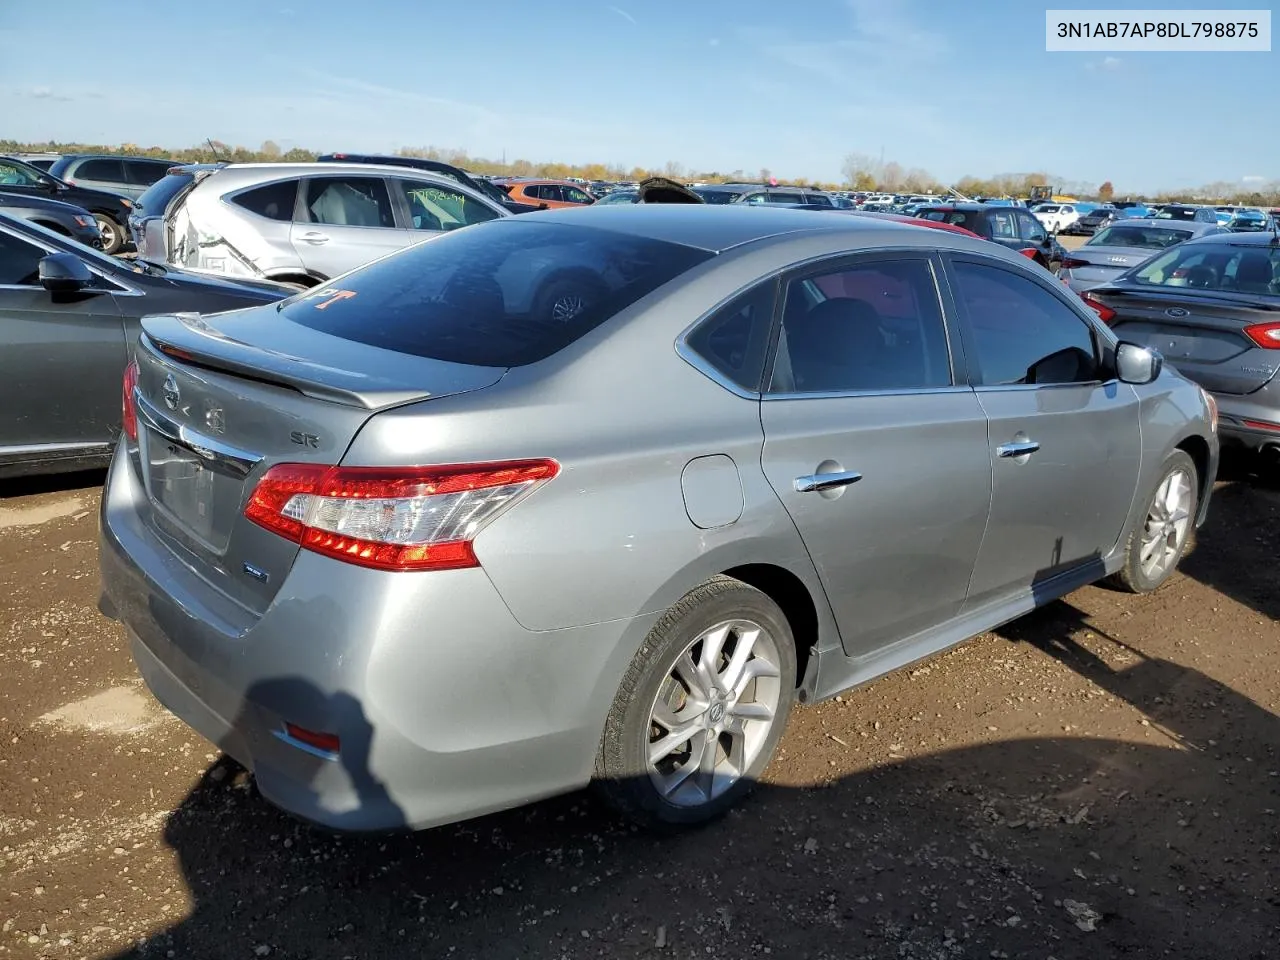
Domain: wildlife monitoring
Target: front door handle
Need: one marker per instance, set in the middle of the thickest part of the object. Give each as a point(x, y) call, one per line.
point(1020, 448)
point(818, 482)
point(315, 237)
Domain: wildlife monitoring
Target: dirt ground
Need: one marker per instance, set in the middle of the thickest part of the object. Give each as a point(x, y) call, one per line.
point(1099, 779)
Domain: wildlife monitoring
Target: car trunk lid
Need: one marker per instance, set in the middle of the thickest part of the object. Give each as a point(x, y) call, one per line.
point(223, 399)
point(1203, 336)
point(1103, 263)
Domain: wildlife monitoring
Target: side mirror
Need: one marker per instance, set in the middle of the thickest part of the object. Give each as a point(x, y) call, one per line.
point(64, 273)
point(542, 206)
point(1136, 364)
point(48, 183)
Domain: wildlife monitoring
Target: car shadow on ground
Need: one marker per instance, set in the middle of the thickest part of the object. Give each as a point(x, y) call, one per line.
point(1155, 844)
point(1237, 547)
point(51, 483)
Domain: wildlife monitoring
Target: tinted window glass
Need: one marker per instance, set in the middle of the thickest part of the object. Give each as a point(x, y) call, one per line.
point(102, 168)
point(273, 201)
point(348, 202)
point(778, 197)
point(1002, 225)
point(819, 198)
point(1032, 229)
point(1022, 333)
point(736, 339)
point(1137, 235)
point(156, 197)
point(19, 260)
point(873, 326)
point(13, 175)
point(434, 207)
point(716, 196)
point(502, 294)
point(144, 172)
point(1215, 266)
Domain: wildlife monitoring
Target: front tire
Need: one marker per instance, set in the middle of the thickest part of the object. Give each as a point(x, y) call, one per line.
point(701, 709)
point(1162, 537)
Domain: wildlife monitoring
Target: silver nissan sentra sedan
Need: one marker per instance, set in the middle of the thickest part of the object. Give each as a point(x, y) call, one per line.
point(597, 495)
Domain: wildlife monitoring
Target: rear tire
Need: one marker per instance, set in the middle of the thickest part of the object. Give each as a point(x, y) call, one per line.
point(112, 233)
point(701, 708)
point(1166, 531)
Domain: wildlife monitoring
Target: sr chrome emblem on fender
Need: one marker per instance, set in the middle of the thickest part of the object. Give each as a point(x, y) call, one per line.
point(1177, 312)
point(172, 395)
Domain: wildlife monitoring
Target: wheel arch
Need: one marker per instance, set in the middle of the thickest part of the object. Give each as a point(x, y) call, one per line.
point(1197, 448)
point(795, 601)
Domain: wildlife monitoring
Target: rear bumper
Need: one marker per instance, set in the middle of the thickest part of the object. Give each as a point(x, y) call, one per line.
point(1261, 406)
point(445, 707)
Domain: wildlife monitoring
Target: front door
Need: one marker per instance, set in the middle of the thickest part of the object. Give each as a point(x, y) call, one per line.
point(877, 454)
point(62, 361)
point(344, 222)
point(1064, 435)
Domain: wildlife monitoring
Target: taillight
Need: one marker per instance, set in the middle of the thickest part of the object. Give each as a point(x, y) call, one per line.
point(1211, 404)
point(128, 411)
point(392, 518)
point(1071, 263)
point(1265, 335)
point(1105, 313)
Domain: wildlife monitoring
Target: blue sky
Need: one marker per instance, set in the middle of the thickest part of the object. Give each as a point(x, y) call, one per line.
point(954, 88)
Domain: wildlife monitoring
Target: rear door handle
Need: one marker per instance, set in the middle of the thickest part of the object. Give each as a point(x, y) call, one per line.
point(315, 237)
point(1021, 448)
point(826, 481)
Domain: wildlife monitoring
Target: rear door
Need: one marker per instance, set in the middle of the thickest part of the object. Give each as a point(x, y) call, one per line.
point(101, 173)
point(1064, 436)
point(61, 361)
point(344, 221)
point(875, 448)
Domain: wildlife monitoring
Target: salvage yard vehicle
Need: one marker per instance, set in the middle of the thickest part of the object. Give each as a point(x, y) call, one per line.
point(109, 209)
point(1211, 305)
point(64, 218)
point(413, 547)
point(303, 223)
point(1125, 244)
point(1012, 227)
point(68, 318)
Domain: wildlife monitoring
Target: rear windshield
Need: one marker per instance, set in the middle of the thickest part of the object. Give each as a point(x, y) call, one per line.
point(1131, 235)
point(157, 196)
point(1216, 266)
point(1176, 213)
point(957, 218)
point(502, 294)
point(717, 196)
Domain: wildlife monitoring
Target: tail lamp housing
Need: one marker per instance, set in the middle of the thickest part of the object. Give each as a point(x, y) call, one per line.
point(392, 518)
point(128, 409)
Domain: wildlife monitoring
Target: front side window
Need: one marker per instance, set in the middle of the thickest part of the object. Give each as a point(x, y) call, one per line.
point(736, 338)
point(273, 200)
point(348, 202)
point(574, 195)
point(12, 175)
point(778, 197)
point(867, 327)
point(501, 294)
point(19, 261)
point(1022, 333)
point(436, 207)
point(144, 173)
point(1032, 229)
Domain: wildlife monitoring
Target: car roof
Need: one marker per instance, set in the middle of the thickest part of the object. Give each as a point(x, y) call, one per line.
point(1262, 238)
point(965, 206)
point(235, 175)
point(114, 156)
point(717, 228)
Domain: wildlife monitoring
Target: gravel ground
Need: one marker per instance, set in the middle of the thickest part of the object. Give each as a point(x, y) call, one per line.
point(1099, 779)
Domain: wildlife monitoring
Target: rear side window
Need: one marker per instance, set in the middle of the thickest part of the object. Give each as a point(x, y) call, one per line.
point(19, 261)
point(735, 339)
point(273, 200)
point(348, 202)
point(868, 327)
point(100, 168)
point(501, 294)
point(144, 173)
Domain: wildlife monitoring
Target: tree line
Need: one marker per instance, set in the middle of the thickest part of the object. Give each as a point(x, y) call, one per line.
point(860, 172)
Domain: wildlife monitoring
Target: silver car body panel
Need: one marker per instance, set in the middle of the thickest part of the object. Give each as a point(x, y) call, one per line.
point(208, 232)
point(488, 687)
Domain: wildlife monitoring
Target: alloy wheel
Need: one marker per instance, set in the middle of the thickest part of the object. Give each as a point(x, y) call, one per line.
point(713, 712)
point(1168, 521)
